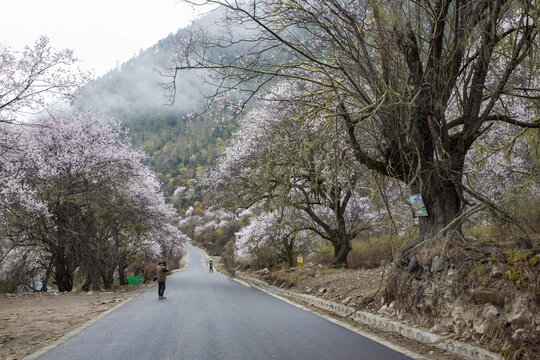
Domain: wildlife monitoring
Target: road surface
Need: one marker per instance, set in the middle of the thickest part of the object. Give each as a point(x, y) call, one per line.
point(210, 317)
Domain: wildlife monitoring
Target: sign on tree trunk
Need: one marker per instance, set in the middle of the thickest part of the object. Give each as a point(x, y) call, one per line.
point(419, 209)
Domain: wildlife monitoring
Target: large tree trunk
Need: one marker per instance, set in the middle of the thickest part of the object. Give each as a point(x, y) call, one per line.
point(443, 205)
point(342, 247)
point(108, 278)
point(63, 272)
point(290, 254)
point(122, 274)
point(342, 244)
point(87, 284)
point(47, 276)
point(122, 266)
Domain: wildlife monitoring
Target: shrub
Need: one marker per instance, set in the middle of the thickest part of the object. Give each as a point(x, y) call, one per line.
point(369, 253)
point(19, 270)
point(528, 215)
point(263, 257)
point(149, 271)
point(228, 257)
point(323, 255)
point(397, 288)
point(492, 233)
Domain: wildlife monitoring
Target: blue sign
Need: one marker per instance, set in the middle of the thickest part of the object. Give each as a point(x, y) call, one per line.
point(419, 209)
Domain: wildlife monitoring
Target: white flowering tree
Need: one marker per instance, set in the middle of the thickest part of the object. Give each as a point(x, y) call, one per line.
point(96, 206)
point(74, 194)
point(214, 230)
point(36, 78)
point(31, 81)
point(502, 174)
point(275, 159)
point(280, 230)
point(414, 83)
point(100, 195)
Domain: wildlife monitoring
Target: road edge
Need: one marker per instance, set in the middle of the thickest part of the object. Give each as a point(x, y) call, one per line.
point(341, 323)
point(467, 351)
point(77, 330)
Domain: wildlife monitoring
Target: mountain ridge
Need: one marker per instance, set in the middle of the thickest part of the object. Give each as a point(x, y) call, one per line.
point(179, 146)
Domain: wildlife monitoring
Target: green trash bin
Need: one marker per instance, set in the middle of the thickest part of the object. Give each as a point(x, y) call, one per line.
point(131, 280)
point(135, 280)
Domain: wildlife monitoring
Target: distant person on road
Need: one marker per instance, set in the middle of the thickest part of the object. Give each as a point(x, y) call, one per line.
point(161, 275)
point(210, 266)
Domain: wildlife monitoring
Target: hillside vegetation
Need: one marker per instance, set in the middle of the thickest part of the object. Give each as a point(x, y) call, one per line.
point(179, 145)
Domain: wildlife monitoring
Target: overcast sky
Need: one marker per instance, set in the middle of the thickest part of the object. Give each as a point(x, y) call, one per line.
point(101, 32)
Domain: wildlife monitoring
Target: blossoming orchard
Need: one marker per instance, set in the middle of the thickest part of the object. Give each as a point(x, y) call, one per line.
point(77, 201)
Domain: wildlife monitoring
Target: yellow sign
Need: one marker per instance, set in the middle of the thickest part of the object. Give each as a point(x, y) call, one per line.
point(299, 260)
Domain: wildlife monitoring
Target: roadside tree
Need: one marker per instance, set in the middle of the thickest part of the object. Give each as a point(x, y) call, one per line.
point(103, 202)
point(414, 83)
point(31, 81)
point(277, 162)
point(36, 78)
point(279, 230)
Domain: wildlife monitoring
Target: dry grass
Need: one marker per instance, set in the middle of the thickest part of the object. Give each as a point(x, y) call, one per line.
point(323, 255)
point(263, 257)
point(370, 253)
point(528, 215)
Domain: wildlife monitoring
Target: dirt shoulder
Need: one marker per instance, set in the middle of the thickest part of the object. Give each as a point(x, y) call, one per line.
point(355, 288)
point(31, 321)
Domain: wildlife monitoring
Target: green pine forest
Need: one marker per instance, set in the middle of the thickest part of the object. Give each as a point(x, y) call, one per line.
point(179, 150)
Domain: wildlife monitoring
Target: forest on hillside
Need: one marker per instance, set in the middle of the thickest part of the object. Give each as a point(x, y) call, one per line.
point(180, 136)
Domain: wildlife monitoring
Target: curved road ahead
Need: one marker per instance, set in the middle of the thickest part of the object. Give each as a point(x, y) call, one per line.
point(209, 317)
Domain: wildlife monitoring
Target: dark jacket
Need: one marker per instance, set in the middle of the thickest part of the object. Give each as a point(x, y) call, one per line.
point(161, 273)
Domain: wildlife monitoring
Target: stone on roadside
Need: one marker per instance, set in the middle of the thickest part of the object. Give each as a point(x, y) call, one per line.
point(346, 301)
point(519, 319)
point(496, 273)
point(488, 296)
point(518, 333)
point(481, 327)
point(437, 264)
point(490, 312)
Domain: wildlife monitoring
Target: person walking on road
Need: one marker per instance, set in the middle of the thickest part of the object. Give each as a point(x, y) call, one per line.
point(161, 275)
point(210, 266)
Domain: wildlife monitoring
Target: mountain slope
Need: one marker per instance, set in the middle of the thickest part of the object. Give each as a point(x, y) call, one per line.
point(180, 147)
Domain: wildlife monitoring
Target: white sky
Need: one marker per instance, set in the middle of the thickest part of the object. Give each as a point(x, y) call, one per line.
point(101, 32)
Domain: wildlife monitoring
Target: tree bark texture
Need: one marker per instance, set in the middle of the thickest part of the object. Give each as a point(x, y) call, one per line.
point(63, 272)
point(122, 274)
point(342, 248)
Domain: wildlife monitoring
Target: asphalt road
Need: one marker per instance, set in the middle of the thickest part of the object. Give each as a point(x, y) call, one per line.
point(207, 316)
